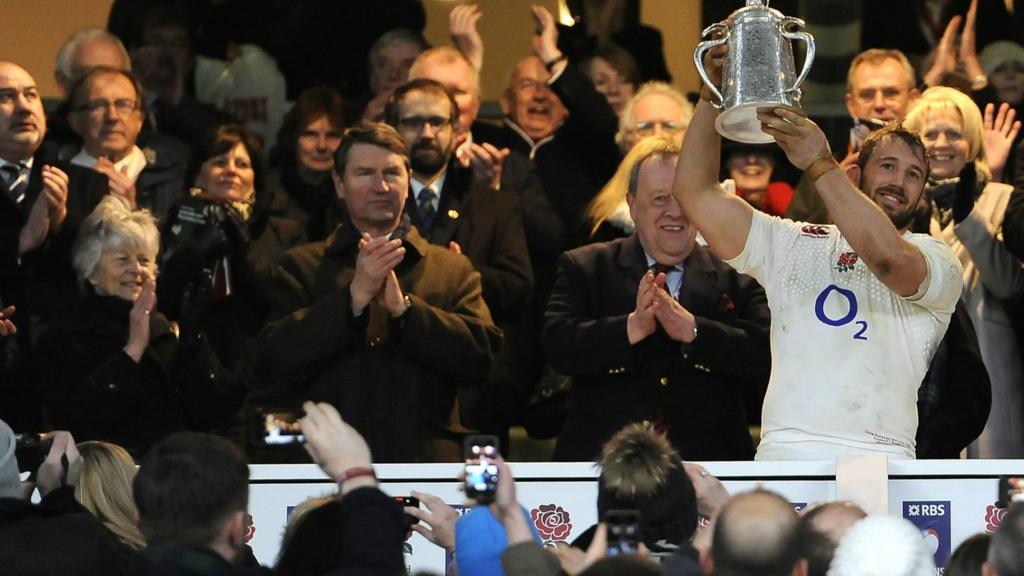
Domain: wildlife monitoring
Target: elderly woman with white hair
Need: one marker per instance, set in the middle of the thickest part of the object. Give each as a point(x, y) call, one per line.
point(967, 213)
point(112, 367)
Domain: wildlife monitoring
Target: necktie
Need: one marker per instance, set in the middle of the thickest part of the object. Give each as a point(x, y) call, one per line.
point(663, 269)
point(16, 178)
point(425, 203)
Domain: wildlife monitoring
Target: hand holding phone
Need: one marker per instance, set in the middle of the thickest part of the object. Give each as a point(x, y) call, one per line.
point(481, 469)
point(623, 527)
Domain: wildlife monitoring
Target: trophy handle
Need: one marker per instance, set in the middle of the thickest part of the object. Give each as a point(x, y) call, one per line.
point(790, 31)
point(698, 56)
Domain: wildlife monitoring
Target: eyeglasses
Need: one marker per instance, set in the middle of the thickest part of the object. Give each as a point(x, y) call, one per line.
point(416, 123)
point(889, 95)
point(123, 107)
point(650, 128)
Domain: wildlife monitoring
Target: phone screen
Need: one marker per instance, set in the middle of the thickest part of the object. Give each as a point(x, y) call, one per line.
point(481, 469)
point(623, 528)
point(280, 428)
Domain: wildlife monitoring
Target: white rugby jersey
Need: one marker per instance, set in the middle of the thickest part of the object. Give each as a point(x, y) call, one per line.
point(848, 354)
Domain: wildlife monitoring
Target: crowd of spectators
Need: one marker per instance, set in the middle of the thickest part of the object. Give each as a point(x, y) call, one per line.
point(409, 273)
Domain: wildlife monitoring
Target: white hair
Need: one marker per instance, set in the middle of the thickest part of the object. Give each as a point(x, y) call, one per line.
point(654, 87)
point(882, 546)
point(112, 225)
point(65, 63)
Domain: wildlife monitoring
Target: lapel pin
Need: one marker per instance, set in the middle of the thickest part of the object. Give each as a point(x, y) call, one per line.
point(453, 214)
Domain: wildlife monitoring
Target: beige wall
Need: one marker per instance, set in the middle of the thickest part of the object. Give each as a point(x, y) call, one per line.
point(34, 30)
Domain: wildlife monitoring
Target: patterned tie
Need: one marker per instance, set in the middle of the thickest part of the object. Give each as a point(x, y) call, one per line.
point(16, 178)
point(425, 203)
point(663, 269)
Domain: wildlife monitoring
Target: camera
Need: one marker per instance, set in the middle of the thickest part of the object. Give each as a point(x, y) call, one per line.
point(408, 520)
point(30, 449)
point(624, 534)
point(276, 428)
point(481, 469)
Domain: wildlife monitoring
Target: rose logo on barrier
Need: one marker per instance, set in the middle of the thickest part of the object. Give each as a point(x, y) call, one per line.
point(993, 518)
point(250, 527)
point(552, 522)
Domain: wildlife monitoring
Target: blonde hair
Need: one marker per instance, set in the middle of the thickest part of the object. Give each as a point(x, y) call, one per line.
point(623, 182)
point(626, 121)
point(105, 490)
point(945, 98)
point(445, 56)
point(112, 224)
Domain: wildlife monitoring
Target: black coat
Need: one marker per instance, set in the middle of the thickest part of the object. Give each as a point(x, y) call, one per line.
point(93, 389)
point(58, 537)
point(697, 388)
point(37, 280)
point(488, 227)
point(578, 159)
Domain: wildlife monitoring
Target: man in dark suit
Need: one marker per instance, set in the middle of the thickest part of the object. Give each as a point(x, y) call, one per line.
point(451, 208)
point(41, 207)
point(654, 328)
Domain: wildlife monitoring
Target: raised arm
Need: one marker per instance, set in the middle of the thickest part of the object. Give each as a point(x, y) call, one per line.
point(723, 218)
point(893, 260)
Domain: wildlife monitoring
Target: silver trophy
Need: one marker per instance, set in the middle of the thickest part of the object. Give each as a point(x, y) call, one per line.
point(759, 69)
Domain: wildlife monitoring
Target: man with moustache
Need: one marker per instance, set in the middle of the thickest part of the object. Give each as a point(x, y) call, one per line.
point(655, 329)
point(376, 320)
point(451, 208)
point(858, 308)
point(41, 206)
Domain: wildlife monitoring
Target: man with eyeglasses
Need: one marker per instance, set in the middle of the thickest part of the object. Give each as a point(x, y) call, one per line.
point(879, 89)
point(656, 109)
point(42, 203)
point(107, 111)
point(451, 208)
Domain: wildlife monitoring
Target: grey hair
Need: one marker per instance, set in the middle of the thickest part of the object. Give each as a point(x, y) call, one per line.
point(112, 225)
point(655, 87)
point(65, 56)
point(396, 36)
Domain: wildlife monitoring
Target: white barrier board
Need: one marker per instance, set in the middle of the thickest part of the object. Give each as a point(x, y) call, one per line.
point(948, 500)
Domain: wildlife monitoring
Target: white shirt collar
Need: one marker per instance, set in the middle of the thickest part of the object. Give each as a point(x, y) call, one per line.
point(438, 185)
point(131, 165)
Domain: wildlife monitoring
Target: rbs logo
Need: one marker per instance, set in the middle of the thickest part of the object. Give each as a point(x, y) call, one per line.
point(926, 509)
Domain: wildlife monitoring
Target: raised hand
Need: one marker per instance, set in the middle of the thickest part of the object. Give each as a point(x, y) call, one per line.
point(677, 320)
point(797, 135)
point(999, 131)
point(52, 473)
point(138, 320)
point(440, 518)
point(334, 444)
point(120, 184)
point(462, 23)
point(377, 257)
point(7, 328)
point(391, 297)
point(545, 40)
point(36, 227)
point(486, 161)
point(55, 189)
point(641, 322)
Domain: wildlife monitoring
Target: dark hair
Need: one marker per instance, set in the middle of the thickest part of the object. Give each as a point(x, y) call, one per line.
point(221, 141)
point(374, 133)
point(772, 549)
point(889, 132)
point(969, 556)
point(624, 565)
point(419, 85)
point(187, 487)
point(396, 36)
point(1006, 551)
point(618, 58)
point(85, 81)
point(313, 103)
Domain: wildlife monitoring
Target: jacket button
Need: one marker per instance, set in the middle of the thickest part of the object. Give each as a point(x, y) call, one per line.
point(663, 381)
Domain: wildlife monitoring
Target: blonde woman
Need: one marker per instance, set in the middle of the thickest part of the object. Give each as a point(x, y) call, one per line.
point(105, 490)
point(967, 213)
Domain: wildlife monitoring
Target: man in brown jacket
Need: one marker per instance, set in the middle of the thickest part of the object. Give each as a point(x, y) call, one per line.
point(377, 321)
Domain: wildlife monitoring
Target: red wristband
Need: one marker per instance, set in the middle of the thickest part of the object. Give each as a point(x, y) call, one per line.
point(355, 473)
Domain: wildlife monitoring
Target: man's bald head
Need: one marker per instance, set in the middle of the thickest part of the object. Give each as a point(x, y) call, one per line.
point(756, 534)
point(451, 69)
point(821, 528)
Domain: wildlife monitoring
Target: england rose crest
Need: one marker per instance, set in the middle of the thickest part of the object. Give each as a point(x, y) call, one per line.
point(552, 522)
point(993, 518)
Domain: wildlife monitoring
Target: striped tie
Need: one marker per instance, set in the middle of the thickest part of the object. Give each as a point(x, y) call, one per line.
point(425, 204)
point(16, 178)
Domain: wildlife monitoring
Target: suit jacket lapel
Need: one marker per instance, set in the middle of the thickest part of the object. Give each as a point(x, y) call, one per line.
point(698, 292)
point(632, 265)
point(449, 209)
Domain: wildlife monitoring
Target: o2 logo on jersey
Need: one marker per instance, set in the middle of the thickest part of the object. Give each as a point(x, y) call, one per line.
point(837, 320)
